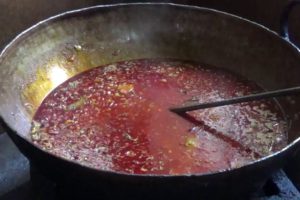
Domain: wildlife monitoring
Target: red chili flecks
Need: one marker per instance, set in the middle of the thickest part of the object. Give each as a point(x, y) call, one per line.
point(117, 118)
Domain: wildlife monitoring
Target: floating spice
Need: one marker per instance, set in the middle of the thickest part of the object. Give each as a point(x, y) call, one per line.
point(191, 142)
point(116, 117)
point(125, 88)
point(35, 130)
point(77, 104)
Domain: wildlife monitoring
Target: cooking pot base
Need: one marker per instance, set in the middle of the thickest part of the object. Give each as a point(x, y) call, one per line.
point(278, 187)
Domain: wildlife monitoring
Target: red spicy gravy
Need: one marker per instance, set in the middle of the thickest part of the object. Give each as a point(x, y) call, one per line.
point(117, 118)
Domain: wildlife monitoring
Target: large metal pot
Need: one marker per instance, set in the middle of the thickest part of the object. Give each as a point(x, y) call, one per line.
point(50, 52)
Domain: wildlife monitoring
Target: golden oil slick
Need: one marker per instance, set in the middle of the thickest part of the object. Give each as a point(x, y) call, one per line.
point(52, 74)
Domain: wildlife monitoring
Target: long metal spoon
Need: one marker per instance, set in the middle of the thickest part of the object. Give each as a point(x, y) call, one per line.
point(247, 98)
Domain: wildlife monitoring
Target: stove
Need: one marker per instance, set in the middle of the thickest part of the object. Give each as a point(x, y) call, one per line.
point(20, 180)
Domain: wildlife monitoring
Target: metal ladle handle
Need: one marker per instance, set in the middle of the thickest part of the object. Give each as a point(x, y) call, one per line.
point(235, 100)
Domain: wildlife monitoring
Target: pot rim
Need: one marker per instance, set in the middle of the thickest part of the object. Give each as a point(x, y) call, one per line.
point(79, 12)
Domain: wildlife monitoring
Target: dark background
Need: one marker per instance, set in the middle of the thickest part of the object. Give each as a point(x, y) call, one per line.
point(17, 15)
